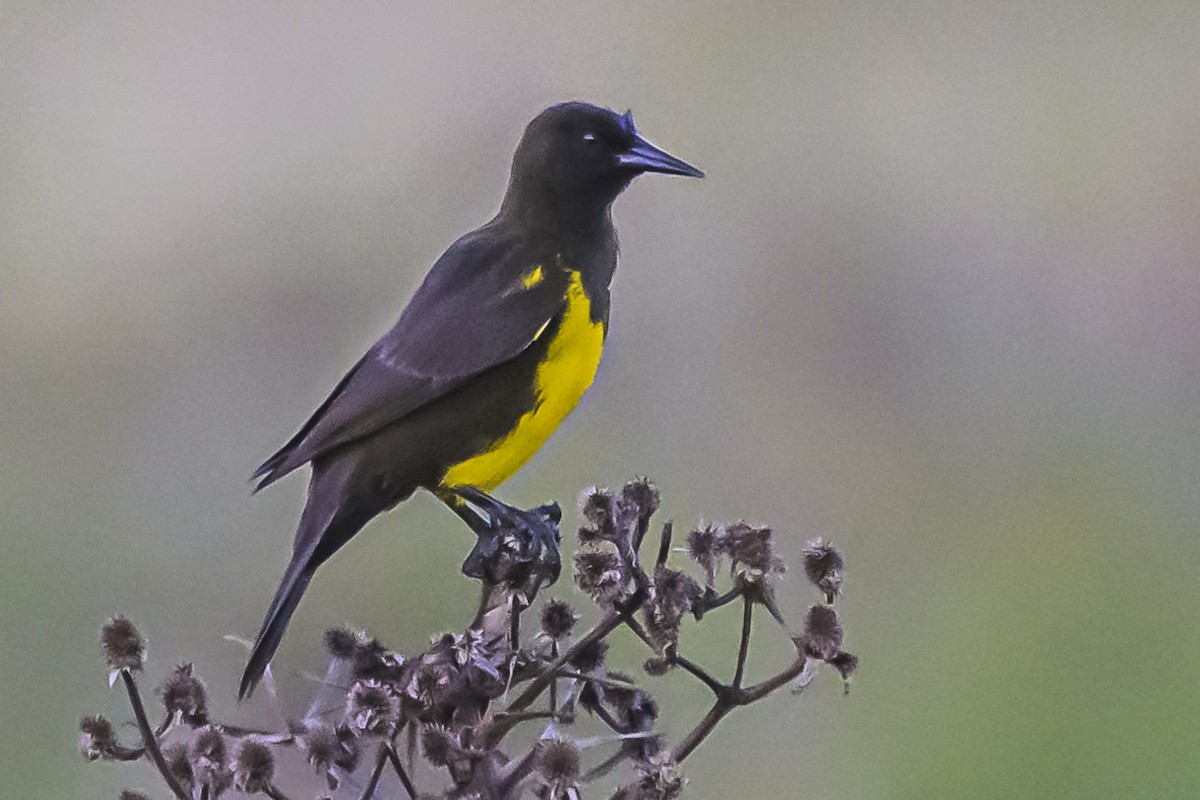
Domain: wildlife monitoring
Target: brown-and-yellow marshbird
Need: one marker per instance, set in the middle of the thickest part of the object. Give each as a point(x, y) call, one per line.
point(490, 355)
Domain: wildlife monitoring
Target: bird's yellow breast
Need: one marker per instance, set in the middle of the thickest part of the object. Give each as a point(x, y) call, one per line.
point(562, 377)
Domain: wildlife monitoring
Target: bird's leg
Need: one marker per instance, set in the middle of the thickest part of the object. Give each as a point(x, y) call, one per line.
point(508, 537)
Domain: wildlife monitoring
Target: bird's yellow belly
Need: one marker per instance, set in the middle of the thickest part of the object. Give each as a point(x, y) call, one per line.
point(561, 379)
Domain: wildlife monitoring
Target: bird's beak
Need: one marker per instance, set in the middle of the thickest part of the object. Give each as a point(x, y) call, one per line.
point(645, 157)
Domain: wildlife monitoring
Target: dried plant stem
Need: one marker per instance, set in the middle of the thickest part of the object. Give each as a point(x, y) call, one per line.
point(640, 632)
point(603, 680)
point(554, 680)
point(457, 696)
point(758, 691)
point(720, 600)
point(695, 669)
point(602, 629)
point(729, 698)
point(376, 771)
point(744, 646)
point(604, 716)
point(702, 730)
point(734, 695)
point(148, 740)
point(514, 633)
point(664, 545)
point(504, 722)
point(396, 765)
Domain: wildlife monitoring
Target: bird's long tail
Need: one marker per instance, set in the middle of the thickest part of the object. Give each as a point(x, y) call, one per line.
point(291, 589)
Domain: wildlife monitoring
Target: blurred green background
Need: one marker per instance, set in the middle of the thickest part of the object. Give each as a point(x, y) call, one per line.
point(938, 300)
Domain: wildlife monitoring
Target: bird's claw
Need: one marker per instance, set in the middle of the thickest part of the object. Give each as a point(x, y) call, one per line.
point(510, 538)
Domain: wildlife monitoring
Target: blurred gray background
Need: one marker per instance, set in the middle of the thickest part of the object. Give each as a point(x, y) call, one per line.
point(938, 300)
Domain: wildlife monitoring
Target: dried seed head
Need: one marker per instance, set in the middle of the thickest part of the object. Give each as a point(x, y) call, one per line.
point(183, 693)
point(598, 507)
point(99, 739)
point(370, 660)
point(642, 495)
point(348, 759)
point(659, 778)
point(320, 742)
point(341, 642)
point(705, 546)
point(656, 667)
point(557, 761)
point(601, 575)
point(675, 588)
point(207, 757)
point(846, 664)
point(590, 657)
point(209, 744)
point(371, 709)
point(822, 632)
point(178, 764)
point(558, 619)
point(208, 753)
point(123, 646)
point(254, 767)
point(439, 744)
point(672, 594)
point(752, 548)
point(823, 565)
point(640, 711)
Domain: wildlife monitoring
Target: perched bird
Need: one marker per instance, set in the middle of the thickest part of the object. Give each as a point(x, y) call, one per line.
point(492, 352)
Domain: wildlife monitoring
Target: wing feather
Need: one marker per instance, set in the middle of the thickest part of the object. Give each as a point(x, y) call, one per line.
point(463, 320)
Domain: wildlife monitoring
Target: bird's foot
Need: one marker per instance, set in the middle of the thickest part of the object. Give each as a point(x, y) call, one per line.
point(511, 541)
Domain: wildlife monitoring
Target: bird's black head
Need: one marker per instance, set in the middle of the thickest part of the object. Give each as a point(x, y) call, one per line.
point(577, 154)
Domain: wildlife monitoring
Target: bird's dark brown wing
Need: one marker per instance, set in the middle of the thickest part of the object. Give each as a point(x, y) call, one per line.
point(472, 312)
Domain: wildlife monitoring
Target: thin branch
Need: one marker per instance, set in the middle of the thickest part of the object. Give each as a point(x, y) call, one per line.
point(514, 623)
point(643, 527)
point(729, 699)
point(503, 723)
point(695, 669)
point(640, 632)
point(602, 713)
point(376, 771)
point(122, 753)
point(554, 680)
point(701, 731)
point(603, 628)
point(716, 602)
point(767, 598)
point(267, 737)
point(404, 779)
point(148, 740)
point(664, 544)
point(272, 791)
point(744, 646)
point(604, 767)
point(604, 680)
point(631, 561)
point(512, 773)
point(760, 690)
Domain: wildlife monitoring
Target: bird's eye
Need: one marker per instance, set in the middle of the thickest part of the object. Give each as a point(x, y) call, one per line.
point(589, 137)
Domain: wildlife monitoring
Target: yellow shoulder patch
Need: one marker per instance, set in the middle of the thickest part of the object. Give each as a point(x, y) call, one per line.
point(533, 277)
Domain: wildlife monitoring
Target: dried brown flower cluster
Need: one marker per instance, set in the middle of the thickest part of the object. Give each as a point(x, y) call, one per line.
point(492, 713)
